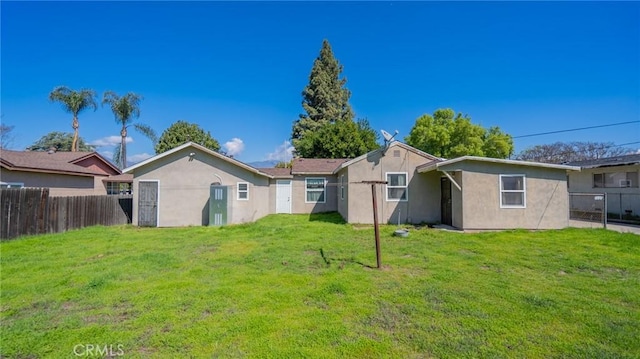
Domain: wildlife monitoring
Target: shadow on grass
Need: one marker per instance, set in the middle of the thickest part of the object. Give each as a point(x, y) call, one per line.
point(328, 217)
point(328, 260)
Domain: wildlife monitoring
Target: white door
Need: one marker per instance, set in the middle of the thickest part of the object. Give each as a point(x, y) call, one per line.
point(283, 196)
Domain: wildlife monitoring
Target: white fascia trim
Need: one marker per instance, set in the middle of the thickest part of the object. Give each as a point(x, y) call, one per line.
point(201, 148)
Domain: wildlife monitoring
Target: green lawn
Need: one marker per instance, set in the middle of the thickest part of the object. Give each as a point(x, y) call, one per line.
point(303, 286)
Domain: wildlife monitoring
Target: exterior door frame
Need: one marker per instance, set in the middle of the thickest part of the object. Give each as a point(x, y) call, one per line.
point(157, 200)
point(446, 204)
point(224, 192)
point(278, 189)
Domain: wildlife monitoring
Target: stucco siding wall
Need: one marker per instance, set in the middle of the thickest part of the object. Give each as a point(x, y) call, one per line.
point(271, 200)
point(583, 181)
point(299, 195)
point(619, 199)
point(96, 164)
point(457, 210)
point(184, 189)
point(546, 198)
point(423, 204)
point(59, 185)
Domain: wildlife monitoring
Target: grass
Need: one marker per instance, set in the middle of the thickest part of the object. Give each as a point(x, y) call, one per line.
point(303, 286)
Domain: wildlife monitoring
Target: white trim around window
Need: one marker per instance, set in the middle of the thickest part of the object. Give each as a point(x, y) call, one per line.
point(342, 187)
point(243, 191)
point(513, 191)
point(397, 187)
point(315, 187)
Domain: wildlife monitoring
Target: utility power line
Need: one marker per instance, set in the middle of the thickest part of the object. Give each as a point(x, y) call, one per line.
point(577, 129)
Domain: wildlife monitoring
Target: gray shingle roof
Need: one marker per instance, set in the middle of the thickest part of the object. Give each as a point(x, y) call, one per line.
point(316, 165)
point(277, 172)
point(608, 161)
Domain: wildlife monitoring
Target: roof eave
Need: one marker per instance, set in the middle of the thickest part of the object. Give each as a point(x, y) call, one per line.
point(498, 160)
point(313, 173)
point(40, 170)
point(394, 143)
point(201, 148)
point(96, 154)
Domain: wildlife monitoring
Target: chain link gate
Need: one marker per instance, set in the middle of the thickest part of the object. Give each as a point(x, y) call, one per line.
point(588, 207)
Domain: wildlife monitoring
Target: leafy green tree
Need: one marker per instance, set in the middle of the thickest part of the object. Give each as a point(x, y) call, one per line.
point(497, 144)
point(181, 132)
point(368, 135)
point(342, 139)
point(61, 141)
point(448, 135)
point(125, 108)
point(283, 164)
point(74, 102)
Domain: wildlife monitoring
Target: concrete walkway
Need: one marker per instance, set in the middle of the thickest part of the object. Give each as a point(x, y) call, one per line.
point(618, 227)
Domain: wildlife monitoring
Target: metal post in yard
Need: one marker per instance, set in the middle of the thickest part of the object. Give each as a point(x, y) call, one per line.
point(375, 224)
point(375, 219)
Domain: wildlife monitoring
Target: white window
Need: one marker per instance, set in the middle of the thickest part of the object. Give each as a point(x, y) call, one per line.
point(397, 186)
point(11, 185)
point(615, 179)
point(513, 193)
point(243, 191)
point(315, 190)
point(342, 187)
point(115, 188)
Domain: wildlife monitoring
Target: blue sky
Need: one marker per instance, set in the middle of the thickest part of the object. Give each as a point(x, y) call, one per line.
point(238, 69)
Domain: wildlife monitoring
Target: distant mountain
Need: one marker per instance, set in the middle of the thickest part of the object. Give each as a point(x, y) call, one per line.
point(263, 164)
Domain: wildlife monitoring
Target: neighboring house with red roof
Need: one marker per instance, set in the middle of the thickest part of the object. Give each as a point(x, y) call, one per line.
point(192, 185)
point(64, 173)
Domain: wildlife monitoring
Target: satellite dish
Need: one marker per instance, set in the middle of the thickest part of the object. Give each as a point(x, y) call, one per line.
point(387, 136)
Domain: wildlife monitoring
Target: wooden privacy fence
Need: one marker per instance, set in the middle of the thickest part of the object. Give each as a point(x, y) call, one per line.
point(28, 211)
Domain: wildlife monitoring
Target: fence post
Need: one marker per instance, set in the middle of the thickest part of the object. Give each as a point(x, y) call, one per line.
point(606, 213)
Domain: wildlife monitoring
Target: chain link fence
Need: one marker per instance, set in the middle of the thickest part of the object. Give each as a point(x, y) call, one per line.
point(588, 207)
point(623, 207)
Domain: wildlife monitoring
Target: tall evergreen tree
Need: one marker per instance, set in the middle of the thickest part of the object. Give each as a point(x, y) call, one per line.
point(325, 101)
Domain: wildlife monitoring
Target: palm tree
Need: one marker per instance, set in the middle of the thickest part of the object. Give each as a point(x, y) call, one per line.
point(74, 102)
point(125, 108)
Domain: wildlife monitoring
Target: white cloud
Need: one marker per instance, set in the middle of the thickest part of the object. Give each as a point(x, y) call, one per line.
point(109, 141)
point(283, 153)
point(234, 147)
point(107, 154)
point(138, 158)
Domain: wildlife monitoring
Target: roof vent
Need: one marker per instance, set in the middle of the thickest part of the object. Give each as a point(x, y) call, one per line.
point(52, 150)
